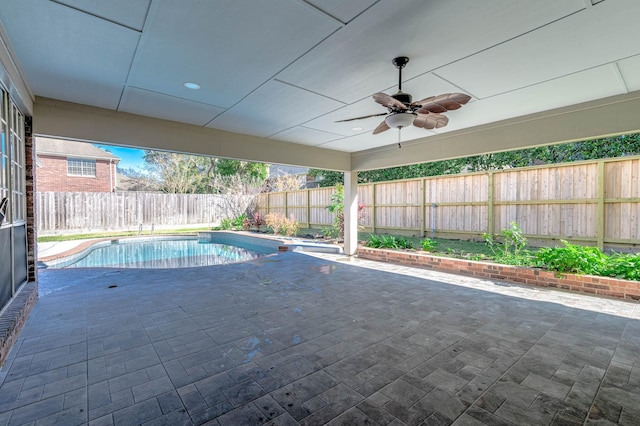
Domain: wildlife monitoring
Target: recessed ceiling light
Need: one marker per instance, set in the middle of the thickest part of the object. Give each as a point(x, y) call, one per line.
point(191, 85)
point(355, 129)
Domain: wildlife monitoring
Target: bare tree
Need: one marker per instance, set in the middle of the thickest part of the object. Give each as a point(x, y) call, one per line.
point(287, 183)
point(237, 192)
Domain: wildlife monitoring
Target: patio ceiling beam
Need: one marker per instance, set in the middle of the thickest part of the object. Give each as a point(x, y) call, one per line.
point(605, 117)
point(58, 119)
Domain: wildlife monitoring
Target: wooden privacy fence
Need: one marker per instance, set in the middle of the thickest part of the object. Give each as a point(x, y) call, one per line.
point(83, 211)
point(594, 202)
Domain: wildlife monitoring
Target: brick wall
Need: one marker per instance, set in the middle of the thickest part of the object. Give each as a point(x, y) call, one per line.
point(52, 176)
point(17, 311)
point(15, 316)
point(528, 276)
point(29, 168)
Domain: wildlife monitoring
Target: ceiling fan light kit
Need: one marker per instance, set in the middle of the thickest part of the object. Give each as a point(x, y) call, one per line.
point(402, 111)
point(400, 119)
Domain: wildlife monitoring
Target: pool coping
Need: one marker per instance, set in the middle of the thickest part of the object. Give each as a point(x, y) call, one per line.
point(281, 244)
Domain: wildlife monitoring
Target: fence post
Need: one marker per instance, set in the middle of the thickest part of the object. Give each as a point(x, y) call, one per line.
point(268, 203)
point(601, 208)
point(308, 208)
point(286, 203)
point(422, 208)
point(373, 208)
point(490, 206)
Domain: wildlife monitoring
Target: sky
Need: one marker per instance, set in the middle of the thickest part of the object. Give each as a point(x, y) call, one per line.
point(129, 157)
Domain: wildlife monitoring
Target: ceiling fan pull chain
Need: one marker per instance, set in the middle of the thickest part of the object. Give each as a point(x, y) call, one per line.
point(399, 136)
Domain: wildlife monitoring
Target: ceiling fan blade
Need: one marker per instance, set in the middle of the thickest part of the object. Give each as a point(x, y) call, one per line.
point(360, 118)
point(381, 128)
point(431, 121)
point(388, 101)
point(442, 103)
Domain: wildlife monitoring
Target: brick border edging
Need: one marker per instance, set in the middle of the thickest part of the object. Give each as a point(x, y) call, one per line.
point(604, 286)
point(15, 316)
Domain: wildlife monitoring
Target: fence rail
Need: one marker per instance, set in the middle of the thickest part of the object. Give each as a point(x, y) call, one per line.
point(594, 202)
point(107, 211)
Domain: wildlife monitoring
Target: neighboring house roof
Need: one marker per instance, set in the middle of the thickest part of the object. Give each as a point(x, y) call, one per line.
point(65, 148)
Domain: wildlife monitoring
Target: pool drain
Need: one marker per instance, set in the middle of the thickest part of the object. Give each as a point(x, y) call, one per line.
point(112, 286)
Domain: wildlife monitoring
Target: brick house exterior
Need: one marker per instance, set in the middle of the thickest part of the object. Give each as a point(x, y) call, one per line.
point(68, 166)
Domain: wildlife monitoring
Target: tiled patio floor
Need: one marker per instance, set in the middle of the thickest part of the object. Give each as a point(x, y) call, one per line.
point(298, 339)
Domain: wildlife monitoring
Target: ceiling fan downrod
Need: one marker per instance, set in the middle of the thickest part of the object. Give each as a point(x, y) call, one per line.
point(400, 62)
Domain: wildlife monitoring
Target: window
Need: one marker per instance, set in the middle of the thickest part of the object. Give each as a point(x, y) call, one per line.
point(12, 161)
point(17, 165)
point(81, 167)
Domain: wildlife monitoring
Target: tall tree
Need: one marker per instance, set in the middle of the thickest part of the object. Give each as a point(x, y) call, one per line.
point(182, 173)
point(179, 173)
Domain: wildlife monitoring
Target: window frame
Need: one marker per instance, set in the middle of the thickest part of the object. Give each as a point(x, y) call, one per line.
point(84, 167)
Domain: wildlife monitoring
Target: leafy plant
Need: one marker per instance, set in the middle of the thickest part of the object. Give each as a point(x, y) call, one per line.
point(238, 221)
point(280, 224)
point(478, 257)
point(258, 220)
point(225, 224)
point(254, 220)
point(388, 242)
point(291, 227)
point(337, 208)
point(327, 232)
point(573, 258)
point(428, 244)
point(625, 266)
point(512, 249)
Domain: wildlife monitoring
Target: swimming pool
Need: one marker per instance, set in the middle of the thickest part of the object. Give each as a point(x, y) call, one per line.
point(176, 252)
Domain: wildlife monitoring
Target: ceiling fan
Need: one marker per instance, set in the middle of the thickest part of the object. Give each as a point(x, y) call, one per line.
point(402, 112)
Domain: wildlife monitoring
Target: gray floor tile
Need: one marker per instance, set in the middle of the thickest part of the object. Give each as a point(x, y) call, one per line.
point(364, 343)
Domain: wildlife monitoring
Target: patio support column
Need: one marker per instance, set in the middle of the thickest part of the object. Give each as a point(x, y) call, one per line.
point(350, 213)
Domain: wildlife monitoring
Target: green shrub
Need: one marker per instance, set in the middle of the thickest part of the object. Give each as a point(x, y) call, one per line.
point(388, 242)
point(249, 222)
point(625, 266)
point(428, 244)
point(237, 222)
point(573, 258)
point(225, 224)
point(257, 220)
point(512, 249)
point(280, 224)
point(336, 208)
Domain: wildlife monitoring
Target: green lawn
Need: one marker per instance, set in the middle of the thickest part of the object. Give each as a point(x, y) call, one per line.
point(447, 247)
point(69, 237)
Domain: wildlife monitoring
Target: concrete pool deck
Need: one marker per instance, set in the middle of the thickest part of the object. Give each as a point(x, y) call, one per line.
point(55, 248)
point(318, 339)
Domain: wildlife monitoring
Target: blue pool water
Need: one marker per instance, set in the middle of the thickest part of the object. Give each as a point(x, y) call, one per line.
point(160, 253)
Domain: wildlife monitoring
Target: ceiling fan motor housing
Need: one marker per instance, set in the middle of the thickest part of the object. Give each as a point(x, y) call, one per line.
point(405, 98)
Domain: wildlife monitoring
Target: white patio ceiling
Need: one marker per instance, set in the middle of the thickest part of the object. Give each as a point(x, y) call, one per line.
point(286, 70)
